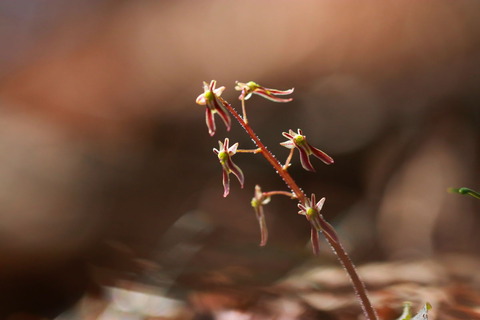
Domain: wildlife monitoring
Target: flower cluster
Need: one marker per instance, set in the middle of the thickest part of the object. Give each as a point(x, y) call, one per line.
point(309, 207)
point(211, 98)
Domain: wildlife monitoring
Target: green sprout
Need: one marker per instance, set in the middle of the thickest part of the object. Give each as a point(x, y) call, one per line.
point(465, 191)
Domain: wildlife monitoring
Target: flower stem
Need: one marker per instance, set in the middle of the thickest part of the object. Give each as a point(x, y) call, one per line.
point(258, 150)
point(357, 283)
point(289, 158)
point(244, 111)
point(283, 193)
point(336, 246)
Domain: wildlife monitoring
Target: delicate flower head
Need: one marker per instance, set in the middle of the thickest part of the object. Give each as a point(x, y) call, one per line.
point(224, 154)
point(299, 141)
point(251, 87)
point(258, 201)
point(311, 210)
point(211, 98)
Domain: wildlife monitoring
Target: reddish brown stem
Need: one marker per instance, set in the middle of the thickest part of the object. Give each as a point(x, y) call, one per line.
point(336, 246)
point(267, 154)
point(357, 283)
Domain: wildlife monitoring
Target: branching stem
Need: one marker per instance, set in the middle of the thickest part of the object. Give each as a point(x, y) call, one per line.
point(283, 193)
point(287, 178)
point(336, 246)
point(258, 150)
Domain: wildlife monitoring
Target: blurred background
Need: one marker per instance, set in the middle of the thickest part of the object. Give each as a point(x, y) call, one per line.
point(111, 200)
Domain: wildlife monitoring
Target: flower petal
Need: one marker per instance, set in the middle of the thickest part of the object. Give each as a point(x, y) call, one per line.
point(258, 194)
point(236, 171)
point(218, 91)
point(224, 145)
point(305, 160)
point(288, 144)
point(212, 85)
point(303, 209)
point(319, 204)
point(233, 149)
point(226, 183)
point(262, 224)
point(242, 95)
point(280, 92)
point(223, 113)
point(201, 100)
point(315, 241)
point(210, 121)
point(268, 95)
point(328, 230)
point(321, 155)
point(257, 202)
point(240, 86)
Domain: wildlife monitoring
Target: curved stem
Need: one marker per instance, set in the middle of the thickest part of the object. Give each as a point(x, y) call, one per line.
point(336, 246)
point(357, 283)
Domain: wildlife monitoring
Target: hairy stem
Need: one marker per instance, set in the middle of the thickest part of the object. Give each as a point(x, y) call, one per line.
point(336, 246)
point(357, 283)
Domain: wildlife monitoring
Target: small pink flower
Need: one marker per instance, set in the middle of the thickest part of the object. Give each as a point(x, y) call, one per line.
point(311, 210)
point(225, 154)
point(251, 87)
point(258, 201)
point(211, 98)
point(299, 141)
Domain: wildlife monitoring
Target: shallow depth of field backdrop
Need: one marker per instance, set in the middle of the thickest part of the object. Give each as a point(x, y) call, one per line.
point(107, 176)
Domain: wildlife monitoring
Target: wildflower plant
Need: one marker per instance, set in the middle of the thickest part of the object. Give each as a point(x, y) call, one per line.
point(309, 206)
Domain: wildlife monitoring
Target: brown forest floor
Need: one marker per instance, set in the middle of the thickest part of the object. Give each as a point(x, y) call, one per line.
point(449, 283)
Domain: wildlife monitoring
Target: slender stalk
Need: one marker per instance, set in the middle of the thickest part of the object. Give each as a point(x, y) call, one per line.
point(357, 283)
point(244, 111)
point(258, 150)
point(336, 246)
point(283, 193)
point(289, 158)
